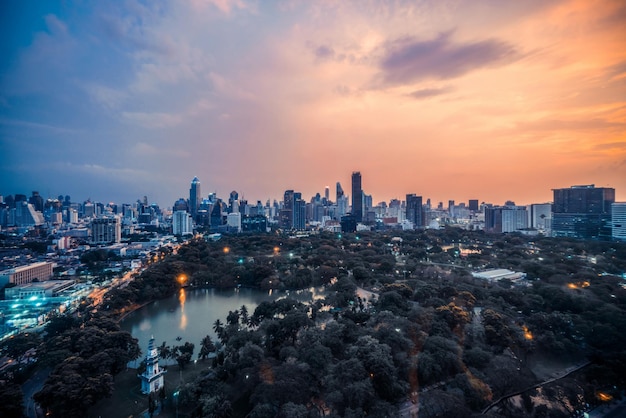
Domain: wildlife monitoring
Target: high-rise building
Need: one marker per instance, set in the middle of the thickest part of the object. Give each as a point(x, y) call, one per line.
point(182, 223)
point(106, 230)
point(327, 194)
point(195, 197)
point(357, 197)
point(299, 212)
point(582, 212)
point(414, 211)
point(540, 217)
point(233, 201)
point(24, 214)
point(286, 213)
point(473, 205)
point(506, 218)
point(618, 221)
point(339, 190)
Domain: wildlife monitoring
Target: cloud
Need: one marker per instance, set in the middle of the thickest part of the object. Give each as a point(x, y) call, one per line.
point(105, 96)
point(154, 120)
point(324, 52)
point(224, 6)
point(428, 93)
point(409, 60)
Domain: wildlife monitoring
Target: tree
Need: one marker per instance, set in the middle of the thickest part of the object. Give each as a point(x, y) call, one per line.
point(206, 347)
point(72, 387)
point(12, 400)
point(183, 354)
point(243, 314)
point(165, 351)
point(218, 327)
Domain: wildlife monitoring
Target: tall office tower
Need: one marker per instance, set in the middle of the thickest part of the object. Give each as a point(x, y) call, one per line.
point(507, 218)
point(182, 223)
point(451, 207)
point(37, 201)
point(327, 194)
point(216, 218)
point(473, 205)
point(299, 212)
point(106, 230)
point(339, 191)
point(357, 197)
point(618, 221)
point(89, 209)
point(195, 197)
point(540, 217)
point(582, 212)
point(24, 214)
point(286, 213)
point(414, 212)
point(234, 197)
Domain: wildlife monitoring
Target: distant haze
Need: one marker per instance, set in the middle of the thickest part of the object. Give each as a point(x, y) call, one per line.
point(449, 100)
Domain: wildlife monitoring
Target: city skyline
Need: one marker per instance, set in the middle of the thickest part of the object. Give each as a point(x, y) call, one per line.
point(470, 100)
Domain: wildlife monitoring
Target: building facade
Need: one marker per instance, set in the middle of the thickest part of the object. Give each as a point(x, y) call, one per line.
point(152, 377)
point(26, 274)
point(414, 210)
point(618, 221)
point(357, 197)
point(195, 197)
point(182, 223)
point(582, 212)
point(106, 230)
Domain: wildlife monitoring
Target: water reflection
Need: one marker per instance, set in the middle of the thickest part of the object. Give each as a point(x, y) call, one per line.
point(182, 297)
point(191, 313)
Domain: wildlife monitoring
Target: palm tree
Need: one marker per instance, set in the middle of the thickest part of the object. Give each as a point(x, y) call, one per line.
point(243, 313)
point(206, 347)
point(218, 327)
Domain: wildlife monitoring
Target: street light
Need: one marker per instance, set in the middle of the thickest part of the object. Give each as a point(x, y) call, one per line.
point(176, 401)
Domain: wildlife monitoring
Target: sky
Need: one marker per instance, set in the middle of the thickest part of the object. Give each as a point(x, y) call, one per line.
point(460, 100)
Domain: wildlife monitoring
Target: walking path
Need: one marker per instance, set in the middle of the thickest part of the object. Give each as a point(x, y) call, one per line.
point(559, 376)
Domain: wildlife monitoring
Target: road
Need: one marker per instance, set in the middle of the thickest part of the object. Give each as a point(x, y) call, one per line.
point(32, 386)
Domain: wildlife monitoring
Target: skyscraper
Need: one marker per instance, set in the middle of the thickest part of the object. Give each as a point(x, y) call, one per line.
point(582, 212)
point(286, 213)
point(299, 212)
point(414, 210)
point(357, 197)
point(195, 197)
point(618, 221)
point(339, 191)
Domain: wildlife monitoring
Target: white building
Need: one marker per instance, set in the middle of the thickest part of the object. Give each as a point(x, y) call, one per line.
point(514, 218)
point(182, 224)
point(233, 220)
point(540, 217)
point(618, 221)
point(152, 378)
point(24, 214)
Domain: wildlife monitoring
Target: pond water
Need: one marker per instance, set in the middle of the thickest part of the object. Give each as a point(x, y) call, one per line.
point(189, 315)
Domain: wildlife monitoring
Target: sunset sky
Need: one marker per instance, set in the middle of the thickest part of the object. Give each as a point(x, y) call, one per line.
point(481, 99)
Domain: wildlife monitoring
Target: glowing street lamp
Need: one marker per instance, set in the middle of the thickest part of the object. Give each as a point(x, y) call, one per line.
point(182, 279)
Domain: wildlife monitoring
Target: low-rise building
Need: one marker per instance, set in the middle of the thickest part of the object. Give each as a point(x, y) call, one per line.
point(25, 274)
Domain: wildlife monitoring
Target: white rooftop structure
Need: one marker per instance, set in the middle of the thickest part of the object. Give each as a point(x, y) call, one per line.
point(499, 274)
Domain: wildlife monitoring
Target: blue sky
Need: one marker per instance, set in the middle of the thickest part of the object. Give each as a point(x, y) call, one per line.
point(447, 99)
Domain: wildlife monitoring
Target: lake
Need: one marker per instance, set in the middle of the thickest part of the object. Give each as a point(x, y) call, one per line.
point(190, 314)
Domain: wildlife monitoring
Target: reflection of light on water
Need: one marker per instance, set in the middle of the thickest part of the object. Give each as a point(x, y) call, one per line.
point(270, 292)
point(182, 297)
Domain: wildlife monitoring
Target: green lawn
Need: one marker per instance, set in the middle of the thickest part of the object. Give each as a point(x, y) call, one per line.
point(127, 400)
